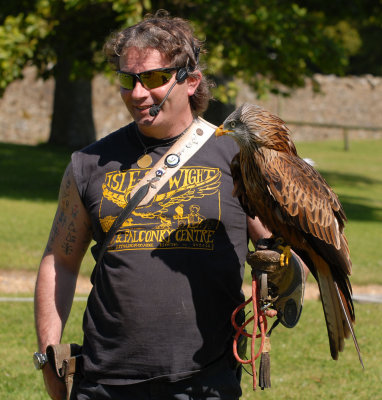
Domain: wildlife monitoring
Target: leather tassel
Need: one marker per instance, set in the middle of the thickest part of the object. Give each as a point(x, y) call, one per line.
point(265, 365)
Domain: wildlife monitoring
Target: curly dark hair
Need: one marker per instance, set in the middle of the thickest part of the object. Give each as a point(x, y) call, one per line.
point(172, 36)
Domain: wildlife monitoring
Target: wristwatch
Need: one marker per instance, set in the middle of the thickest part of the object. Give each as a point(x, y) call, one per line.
point(40, 360)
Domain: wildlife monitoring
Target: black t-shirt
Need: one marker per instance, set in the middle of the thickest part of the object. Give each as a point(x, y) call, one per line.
point(162, 299)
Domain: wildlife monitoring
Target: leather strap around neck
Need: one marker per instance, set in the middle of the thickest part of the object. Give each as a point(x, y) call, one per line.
point(194, 138)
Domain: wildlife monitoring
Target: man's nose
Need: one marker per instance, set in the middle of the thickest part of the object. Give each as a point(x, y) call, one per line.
point(139, 90)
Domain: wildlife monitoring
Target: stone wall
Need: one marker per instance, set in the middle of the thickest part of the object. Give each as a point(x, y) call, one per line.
point(350, 101)
point(26, 107)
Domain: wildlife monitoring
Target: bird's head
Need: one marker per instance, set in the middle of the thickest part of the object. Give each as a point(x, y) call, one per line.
point(254, 127)
point(236, 127)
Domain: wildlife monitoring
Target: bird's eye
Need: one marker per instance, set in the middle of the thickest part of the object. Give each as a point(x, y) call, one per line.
point(233, 124)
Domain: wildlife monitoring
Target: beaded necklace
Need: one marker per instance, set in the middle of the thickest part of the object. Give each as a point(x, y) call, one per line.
point(145, 160)
point(173, 159)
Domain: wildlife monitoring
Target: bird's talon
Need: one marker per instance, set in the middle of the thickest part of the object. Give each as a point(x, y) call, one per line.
point(285, 256)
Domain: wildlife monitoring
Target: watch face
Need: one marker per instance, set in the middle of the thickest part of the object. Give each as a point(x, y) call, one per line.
point(36, 362)
point(39, 360)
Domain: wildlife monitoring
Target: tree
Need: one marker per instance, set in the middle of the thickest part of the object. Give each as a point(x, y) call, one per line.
point(369, 25)
point(63, 39)
point(272, 45)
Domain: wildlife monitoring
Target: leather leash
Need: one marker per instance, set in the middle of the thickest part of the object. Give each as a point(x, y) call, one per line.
point(130, 207)
point(259, 323)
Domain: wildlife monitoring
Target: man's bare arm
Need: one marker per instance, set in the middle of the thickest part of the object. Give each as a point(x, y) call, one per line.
point(256, 229)
point(67, 244)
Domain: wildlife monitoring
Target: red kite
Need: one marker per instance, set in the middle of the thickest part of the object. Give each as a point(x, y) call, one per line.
point(293, 201)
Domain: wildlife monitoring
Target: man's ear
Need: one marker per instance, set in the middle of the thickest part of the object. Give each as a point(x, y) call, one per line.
point(193, 82)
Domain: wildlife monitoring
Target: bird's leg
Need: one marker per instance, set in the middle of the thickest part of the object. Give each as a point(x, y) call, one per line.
point(286, 254)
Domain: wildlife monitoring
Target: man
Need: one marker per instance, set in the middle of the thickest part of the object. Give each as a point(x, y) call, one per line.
point(157, 322)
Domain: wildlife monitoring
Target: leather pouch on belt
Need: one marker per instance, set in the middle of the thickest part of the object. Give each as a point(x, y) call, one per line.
point(66, 360)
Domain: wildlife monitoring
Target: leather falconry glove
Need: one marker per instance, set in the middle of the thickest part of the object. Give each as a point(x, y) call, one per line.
point(282, 279)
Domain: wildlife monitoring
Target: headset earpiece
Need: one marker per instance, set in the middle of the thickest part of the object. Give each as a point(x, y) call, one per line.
point(181, 75)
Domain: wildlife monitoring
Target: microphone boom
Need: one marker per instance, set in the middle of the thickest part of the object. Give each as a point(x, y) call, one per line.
point(154, 109)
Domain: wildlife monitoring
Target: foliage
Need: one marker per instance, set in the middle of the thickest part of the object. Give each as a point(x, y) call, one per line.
point(39, 32)
point(265, 42)
point(18, 44)
point(64, 39)
point(362, 34)
point(269, 44)
point(273, 45)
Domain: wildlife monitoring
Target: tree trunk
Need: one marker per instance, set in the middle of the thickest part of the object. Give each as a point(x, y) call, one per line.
point(72, 121)
point(217, 111)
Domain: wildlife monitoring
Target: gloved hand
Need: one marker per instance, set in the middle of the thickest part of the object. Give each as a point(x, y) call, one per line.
point(282, 279)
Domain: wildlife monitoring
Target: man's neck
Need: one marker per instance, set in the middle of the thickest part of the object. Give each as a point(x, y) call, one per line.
point(166, 131)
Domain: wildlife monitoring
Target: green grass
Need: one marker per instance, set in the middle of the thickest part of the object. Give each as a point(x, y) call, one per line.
point(31, 173)
point(24, 230)
point(19, 380)
point(30, 177)
point(356, 177)
point(29, 181)
point(301, 364)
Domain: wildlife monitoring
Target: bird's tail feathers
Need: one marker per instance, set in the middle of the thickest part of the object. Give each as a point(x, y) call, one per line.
point(337, 331)
point(349, 321)
point(339, 319)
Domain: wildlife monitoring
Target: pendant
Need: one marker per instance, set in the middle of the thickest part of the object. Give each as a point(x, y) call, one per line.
point(144, 161)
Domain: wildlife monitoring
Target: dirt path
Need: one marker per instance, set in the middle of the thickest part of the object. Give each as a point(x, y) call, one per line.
point(20, 282)
point(312, 292)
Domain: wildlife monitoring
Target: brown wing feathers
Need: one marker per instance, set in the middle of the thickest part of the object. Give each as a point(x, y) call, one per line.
point(308, 203)
point(302, 193)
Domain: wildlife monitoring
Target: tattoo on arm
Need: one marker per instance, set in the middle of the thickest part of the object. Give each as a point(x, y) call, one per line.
point(66, 226)
point(67, 247)
point(75, 210)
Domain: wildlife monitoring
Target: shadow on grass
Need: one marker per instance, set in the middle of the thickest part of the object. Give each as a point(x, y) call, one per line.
point(356, 208)
point(32, 172)
point(339, 178)
point(356, 211)
point(35, 172)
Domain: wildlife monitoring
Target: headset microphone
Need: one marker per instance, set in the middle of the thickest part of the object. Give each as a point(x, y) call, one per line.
point(154, 110)
point(181, 76)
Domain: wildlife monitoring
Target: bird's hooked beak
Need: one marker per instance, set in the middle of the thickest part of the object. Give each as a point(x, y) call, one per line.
point(220, 131)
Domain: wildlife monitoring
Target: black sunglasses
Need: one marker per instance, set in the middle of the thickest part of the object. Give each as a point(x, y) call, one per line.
point(149, 79)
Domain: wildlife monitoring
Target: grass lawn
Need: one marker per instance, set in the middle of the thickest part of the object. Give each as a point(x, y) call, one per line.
point(303, 369)
point(356, 177)
point(301, 364)
point(30, 177)
point(19, 380)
